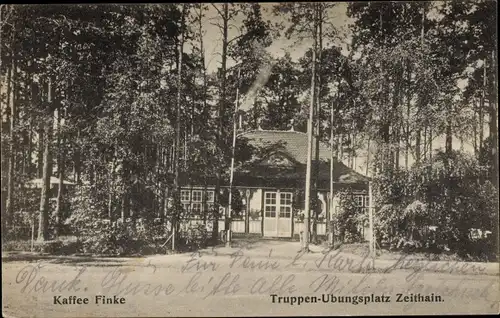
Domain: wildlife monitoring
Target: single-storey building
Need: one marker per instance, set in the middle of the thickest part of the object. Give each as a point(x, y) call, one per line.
point(271, 186)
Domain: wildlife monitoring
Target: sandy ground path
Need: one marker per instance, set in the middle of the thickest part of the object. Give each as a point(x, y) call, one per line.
point(224, 285)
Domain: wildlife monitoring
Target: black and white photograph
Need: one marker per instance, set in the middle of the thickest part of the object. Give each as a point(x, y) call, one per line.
point(239, 159)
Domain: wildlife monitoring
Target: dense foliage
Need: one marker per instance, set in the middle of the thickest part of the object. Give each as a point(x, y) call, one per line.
point(439, 206)
point(350, 218)
point(121, 101)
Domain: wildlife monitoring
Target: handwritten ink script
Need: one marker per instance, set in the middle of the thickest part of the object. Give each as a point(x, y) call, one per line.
point(331, 273)
point(31, 280)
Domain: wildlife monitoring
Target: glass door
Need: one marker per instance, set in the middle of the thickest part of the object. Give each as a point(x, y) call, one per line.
point(277, 214)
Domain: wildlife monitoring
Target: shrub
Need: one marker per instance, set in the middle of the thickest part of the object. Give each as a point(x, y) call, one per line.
point(255, 214)
point(103, 236)
point(451, 194)
point(349, 219)
point(58, 247)
point(50, 247)
point(195, 236)
point(16, 245)
point(125, 238)
point(298, 205)
point(236, 202)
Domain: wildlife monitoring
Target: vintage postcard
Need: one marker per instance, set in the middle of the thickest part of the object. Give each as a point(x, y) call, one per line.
point(249, 159)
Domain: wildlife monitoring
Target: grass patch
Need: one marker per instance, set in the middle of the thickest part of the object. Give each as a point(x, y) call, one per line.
point(54, 247)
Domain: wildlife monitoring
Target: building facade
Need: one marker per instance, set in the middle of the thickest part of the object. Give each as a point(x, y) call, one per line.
point(271, 187)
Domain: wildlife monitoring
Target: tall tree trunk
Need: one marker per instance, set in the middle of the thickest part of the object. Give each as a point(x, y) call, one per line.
point(2, 131)
point(30, 148)
point(158, 185)
point(186, 151)
point(425, 143)
point(352, 152)
point(1, 40)
point(310, 134)
point(319, 48)
point(5, 146)
point(35, 103)
point(112, 184)
point(221, 113)
point(449, 137)
point(26, 119)
point(431, 148)
point(40, 148)
point(91, 173)
point(419, 132)
point(401, 116)
point(125, 204)
point(163, 184)
point(202, 52)
point(397, 150)
point(78, 161)
point(12, 139)
point(61, 158)
point(482, 107)
point(474, 127)
point(367, 172)
point(396, 117)
point(341, 147)
point(43, 225)
point(178, 127)
point(408, 108)
point(384, 131)
point(493, 114)
point(418, 146)
point(330, 208)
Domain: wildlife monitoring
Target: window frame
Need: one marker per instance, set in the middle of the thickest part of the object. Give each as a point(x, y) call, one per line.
point(196, 201)
point(183, 192)
point(209, 199)
point(359, 200)
point(278, 204)
point(271, 213)
point(287, 205)
point(363, 199)
point(200, 197)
